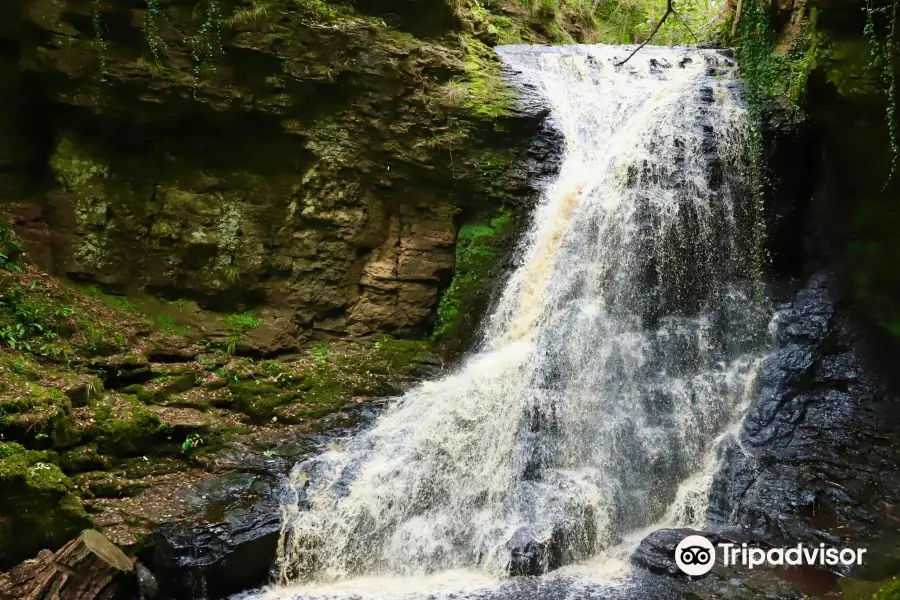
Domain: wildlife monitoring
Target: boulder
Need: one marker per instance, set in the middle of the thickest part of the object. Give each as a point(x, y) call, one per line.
point(226, 544)
point(38, 506)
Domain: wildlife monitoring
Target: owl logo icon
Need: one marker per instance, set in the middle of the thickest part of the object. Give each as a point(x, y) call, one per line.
point(695, 555)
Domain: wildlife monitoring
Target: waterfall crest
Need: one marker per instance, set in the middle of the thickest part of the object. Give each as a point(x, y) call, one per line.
point(619, 352)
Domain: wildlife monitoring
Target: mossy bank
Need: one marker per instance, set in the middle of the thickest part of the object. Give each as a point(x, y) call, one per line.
point(100, 402)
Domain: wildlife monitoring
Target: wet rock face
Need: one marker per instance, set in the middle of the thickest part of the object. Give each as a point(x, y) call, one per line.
point(219, 537)
point(656, 552)
point(529, 556)
point(232, 544)
point(816, 462)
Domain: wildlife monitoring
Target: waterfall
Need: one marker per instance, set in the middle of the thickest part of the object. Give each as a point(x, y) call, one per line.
point(620, 350)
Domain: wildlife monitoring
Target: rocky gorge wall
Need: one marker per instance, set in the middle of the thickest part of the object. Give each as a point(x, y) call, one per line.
point(820, 74)
point(312, 162)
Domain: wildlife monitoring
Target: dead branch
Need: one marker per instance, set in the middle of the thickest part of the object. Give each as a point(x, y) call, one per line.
point(669, 11)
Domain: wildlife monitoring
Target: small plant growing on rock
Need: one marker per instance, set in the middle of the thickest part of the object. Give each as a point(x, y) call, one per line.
point(191, 442)
point(321, 354)
point(237, 326)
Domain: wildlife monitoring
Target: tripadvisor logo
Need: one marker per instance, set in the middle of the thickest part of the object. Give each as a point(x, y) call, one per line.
point(695, 555)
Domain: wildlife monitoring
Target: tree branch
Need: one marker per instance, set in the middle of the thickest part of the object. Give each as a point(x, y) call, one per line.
point(686, 26)
point(669, 11)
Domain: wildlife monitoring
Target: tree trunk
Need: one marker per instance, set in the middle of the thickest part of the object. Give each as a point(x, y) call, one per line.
point(90, 567)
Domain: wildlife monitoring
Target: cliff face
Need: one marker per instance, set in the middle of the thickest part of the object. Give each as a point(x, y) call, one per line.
point(828, 68)
point(309, 161)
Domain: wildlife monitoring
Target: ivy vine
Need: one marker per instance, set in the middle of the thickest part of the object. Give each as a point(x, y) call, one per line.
point(206, 44)
point(881, 22)
point(152, 22)
point(99, 40)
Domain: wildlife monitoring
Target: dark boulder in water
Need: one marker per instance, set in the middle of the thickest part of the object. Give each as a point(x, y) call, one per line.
point(656, 553)
point(232, 545)
point(812, 462)
point(529, 556)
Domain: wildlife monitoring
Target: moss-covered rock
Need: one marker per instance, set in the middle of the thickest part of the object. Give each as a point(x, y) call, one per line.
point(38, 506)
point(325, 379)
point(481, 247)
point(819, 78)
point(121, 425)
point(36, 415)
point(348, 142)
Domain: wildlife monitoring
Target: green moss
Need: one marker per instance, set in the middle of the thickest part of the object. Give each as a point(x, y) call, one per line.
point(165, 324)
point(325, 380)
point(38, 507)
point(123, 426)
point(889, 591)
point(858, 589)
point(846, 65)
point(83, 458)
point(478, 250)
point(484, 91)
point(75, 168)
point(258, 400)
point(98, 339)
point(399, 357)
point(38, 416)
point(120, 303)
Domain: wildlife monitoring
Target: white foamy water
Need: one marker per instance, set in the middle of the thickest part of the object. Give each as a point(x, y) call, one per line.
point(619, 354)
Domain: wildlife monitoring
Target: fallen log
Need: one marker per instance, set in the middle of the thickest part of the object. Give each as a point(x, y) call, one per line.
point(90, 567)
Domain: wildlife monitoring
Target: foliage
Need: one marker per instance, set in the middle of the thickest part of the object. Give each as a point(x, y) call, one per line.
point(890, 591)
point(10, 249)
point(206, 44)
point(99, 40)
point(772, 77)
point(152, 24)
point(191, 442)
point(321, 353)
point(318, 10)
point(477, 250)
point(236, 327)
point(245, 15)
point(879, 31)
point(628, 21)
point(24, 317)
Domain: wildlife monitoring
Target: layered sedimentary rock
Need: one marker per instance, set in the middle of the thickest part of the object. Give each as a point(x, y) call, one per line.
point(310, 159)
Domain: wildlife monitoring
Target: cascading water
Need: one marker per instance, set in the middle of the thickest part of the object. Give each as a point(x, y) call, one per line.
point(620, 350)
